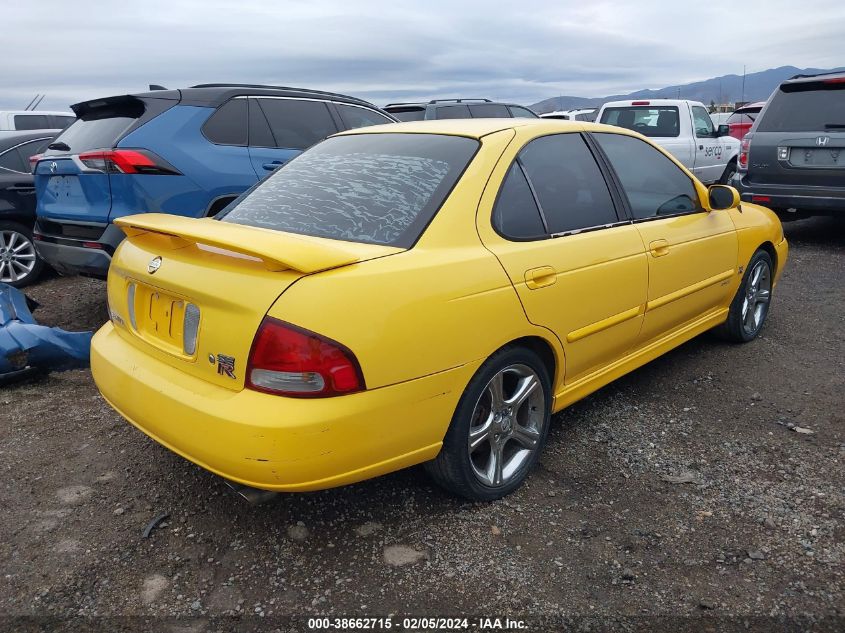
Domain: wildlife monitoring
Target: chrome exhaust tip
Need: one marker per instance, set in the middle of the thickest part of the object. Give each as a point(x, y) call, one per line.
point(253, 496)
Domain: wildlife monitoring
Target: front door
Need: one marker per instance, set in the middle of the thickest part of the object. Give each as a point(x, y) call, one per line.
point(709, 148)
point(578, 269)
point(692, 253)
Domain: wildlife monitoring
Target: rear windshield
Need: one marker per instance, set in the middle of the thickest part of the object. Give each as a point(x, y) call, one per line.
point(371, 188)
point(659, 121)
point(408, 114)
point(100, 125)
point(816, 106)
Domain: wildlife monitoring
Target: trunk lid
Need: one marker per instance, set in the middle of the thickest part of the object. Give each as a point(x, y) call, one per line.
point(174, 276)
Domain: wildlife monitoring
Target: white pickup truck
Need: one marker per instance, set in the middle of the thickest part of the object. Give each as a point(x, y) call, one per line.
point(684, 129)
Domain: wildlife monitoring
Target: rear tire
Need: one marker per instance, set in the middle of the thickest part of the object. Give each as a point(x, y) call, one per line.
point(499, 427)
point(20, 264)
point(750, 305)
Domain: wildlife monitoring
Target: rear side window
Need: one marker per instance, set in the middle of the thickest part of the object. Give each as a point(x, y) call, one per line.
point(453, 112)
point(31, 122)
point(297, 124)
point(228, 125)
point(59, 122)
point(659, 121)
point(11, 160)
point(516, 215)
point(408, 114)
point(31, 149)
point(569, 186)
point(522, 113)
point(817, 106)
point(655, 186)
point(371, 188)
point(489, 111)
point(741, 117)
point(354, 117)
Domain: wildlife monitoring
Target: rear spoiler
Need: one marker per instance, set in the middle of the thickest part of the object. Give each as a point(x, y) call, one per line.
point(278, 250)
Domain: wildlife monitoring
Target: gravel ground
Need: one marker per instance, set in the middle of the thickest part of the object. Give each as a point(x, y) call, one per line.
point(602, 528)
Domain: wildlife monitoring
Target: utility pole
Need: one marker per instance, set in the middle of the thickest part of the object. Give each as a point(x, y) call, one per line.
point(743, 83)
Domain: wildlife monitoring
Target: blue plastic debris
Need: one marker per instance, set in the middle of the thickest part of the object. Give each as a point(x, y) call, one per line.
point(26, 346)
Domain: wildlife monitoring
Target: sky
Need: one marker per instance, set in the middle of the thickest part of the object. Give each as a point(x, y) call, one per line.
point(404, 51)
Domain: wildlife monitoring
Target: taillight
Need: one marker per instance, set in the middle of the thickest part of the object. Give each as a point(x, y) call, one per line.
point(744, 151)
point(33, 160)
point(291, 361)
point(126, 161)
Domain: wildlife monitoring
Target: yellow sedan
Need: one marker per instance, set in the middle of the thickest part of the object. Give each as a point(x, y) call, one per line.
point(425, 292)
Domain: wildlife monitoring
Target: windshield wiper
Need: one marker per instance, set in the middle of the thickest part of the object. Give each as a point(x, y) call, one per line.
point(64, 147)
point(834, 126)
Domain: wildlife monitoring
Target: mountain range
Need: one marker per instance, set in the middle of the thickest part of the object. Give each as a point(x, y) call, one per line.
point(724, 89)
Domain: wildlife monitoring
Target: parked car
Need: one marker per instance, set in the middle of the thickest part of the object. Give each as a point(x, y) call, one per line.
point(584, 114)
point(422, 292)
point(34, 120)
point(793, 158)
point(742, 119)
point(20, 264)
point(190, 152)
point(682, 127)
point(458, 109)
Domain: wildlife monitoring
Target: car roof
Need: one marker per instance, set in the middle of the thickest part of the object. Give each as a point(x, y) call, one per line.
point(450, 102)
point(835, 74)
point(11, 138)
point(477, 128)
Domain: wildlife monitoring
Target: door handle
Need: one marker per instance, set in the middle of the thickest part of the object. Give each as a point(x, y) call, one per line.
point(274, 165)
point(659, 248)
point(540, 277)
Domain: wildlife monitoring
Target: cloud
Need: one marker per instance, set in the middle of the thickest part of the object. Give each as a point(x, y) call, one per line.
point(387, 51)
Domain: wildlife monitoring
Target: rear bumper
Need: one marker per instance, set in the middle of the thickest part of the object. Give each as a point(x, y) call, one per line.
point(272, 442)
point(810, 200)
point(78, 256)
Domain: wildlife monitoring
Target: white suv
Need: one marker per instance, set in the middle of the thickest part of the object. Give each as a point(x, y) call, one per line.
point(35, 120)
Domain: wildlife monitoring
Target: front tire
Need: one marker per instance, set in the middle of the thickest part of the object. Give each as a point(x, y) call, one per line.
point(750, 305)
point(728, 174)
point(499, 427)
point(20, 264)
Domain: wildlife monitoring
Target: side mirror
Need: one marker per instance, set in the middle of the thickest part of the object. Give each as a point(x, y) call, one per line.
point(722, 197)
point(723, 130)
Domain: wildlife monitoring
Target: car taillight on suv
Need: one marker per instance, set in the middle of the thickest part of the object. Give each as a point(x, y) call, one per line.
point(290, 361)
point(127, 161)
point(744, 152)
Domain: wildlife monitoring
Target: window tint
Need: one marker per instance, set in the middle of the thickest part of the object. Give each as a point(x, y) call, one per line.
point(489, 111)
point(453, 112)
point(408, 114)
point(31, 149)
point(586, 116)
point(816, 106)
point(11, 159)
point(655, 186)
point(61, 122)
point(372, 188)
point(298, 124)
point(227, 126)
point(355, 117)
point(522, 113)
point(259, 130)
point(570, 188)
point(702, 122)
point(31, 122)
point(649, 121)
point(516, 214)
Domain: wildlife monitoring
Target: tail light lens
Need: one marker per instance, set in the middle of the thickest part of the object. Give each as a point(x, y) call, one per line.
point(33, 160)
point(127, 161)
point(744, 151)
point(291, 361)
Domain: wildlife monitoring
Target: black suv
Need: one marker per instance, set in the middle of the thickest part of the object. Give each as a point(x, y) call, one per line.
point(458, 109)
point(793, 159)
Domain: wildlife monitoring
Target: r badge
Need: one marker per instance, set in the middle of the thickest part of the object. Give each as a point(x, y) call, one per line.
point(154, 265)
point(226, 365)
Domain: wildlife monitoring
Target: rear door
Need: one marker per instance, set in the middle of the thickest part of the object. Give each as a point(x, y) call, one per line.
point(692, 254)
point(280, 128)
point(578, 269)
point(800, 136)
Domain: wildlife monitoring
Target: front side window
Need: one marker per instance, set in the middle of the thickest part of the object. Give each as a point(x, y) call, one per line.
point(355, 117)
point(702, 123)
point(568, 183)
point(297, 124)
point(654, 185)
point(370, 188)
point(516, 215)
point(657, 121)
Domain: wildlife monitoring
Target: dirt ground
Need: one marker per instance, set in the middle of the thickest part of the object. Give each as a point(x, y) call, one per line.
point(757, 535)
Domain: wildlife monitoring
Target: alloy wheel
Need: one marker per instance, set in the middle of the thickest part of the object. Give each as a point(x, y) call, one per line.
point(17, 256)
point(758, 293)
point(506, 425)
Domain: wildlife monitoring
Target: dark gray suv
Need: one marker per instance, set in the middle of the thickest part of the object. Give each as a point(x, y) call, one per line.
point(793, 159)
point(458, 109)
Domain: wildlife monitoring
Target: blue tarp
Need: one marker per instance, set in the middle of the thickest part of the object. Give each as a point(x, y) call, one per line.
point(26, 345)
